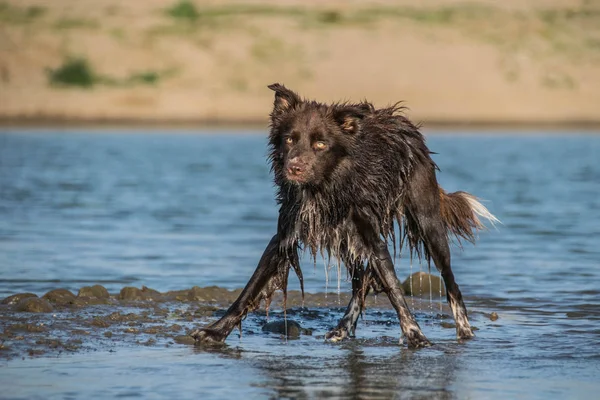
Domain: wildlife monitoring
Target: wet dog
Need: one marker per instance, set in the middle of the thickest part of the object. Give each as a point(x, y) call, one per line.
point(346, 174)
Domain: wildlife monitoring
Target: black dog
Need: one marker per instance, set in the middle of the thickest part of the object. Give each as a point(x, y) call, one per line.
point(346, 174)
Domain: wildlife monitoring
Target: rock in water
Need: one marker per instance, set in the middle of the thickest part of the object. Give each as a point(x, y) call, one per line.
point(131, 293)
point(294, 330)
point(60, 297)
point(420, 285)
point(94, 292)
point(34, 304)
point(15, 298)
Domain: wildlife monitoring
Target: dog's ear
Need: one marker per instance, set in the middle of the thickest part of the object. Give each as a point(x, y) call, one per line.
point(349, 117)
point(285, 99)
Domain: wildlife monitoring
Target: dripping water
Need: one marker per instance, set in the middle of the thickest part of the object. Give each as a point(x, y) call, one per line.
point(441, 283)
point(420, 278)
point(326, 277)
point(412, 289)
point(430, 293)
point(339, 279)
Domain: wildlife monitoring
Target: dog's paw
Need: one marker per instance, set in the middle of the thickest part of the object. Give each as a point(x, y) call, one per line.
point(416, 340)
point(336, 335)
point(464, 333)
point(208, 336)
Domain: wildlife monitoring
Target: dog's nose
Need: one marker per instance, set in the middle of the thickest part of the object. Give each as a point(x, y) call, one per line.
point(296, 167)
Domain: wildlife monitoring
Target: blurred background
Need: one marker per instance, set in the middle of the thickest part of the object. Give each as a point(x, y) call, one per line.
point(174, 61)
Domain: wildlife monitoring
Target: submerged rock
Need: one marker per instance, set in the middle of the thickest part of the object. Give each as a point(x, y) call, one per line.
point(184, 339)
point(196, 294)
point(34, 304)
point(133, 293)
point(421, 285)
point(15, 298)
point(151, 294)
point(60, 297)
point(94, 292)
point(205, 311)
point(294, 330)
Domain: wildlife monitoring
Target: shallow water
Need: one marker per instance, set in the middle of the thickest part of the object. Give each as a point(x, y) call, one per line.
point(170, 210)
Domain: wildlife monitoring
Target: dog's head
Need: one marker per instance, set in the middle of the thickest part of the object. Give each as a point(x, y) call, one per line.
point(310, 141)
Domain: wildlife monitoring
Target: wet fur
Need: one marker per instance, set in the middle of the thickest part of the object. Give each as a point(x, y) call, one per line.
point(344, 201)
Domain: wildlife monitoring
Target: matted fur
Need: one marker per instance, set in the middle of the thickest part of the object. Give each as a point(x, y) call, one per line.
point(382, 154)
point(347, 174)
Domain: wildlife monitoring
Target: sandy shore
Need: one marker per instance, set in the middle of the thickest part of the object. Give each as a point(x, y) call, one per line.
point(168, 62)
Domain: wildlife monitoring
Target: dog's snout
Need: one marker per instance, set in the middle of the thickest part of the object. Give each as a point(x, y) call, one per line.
point(296, 166)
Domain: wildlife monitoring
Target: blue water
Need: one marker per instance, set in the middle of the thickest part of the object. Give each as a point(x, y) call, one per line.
point(169, 210)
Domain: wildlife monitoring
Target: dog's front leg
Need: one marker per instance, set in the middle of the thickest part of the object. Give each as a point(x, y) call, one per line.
point(347, 325)
point(383, 268)
point(265, 280)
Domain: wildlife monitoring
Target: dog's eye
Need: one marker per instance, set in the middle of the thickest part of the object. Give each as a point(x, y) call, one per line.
point(320, 145)
point(289, 140)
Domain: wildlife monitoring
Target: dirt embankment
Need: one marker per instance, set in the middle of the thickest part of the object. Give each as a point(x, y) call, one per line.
point(207, 61)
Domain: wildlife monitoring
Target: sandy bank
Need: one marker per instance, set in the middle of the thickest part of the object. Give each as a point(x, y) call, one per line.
point(476, 63)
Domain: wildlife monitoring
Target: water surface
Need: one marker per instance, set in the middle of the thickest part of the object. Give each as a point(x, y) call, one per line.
point(170, 210)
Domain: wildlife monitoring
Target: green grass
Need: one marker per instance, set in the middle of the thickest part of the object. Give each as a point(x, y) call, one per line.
point(74, 72)
point(20, 15)
point(75, 23)
point(144, 78)
point(183, 11)
point(77, 72)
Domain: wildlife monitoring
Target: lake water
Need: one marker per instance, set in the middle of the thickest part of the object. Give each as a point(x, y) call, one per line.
point(170, 210)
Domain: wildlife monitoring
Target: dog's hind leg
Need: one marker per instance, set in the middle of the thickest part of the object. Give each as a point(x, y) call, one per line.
point(347, 325)
point(424, 223)
point(437, 247)
point(266, 279)
point(383, 268)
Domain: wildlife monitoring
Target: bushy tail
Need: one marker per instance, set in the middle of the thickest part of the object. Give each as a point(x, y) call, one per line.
point(461, 213)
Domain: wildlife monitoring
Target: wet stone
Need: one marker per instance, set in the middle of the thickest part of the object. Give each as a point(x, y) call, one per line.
point(184, 339)
point(94, 292)
point(131, 293)
point(294, 329)
point(150, 293)
point(34, 304)
point(50, 343)
point(15, 298)
point(196, 294)
point(493, 316)
point(421, 285)
point(99, 322)
point(205, 311)
point(60, 297)
point(35, 352)
point(26, 328)
point(447, 325)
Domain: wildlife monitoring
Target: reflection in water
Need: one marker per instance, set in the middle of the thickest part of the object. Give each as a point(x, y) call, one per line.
point(365, 369)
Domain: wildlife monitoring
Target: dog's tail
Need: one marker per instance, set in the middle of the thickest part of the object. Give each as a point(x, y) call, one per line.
point(461, 212)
